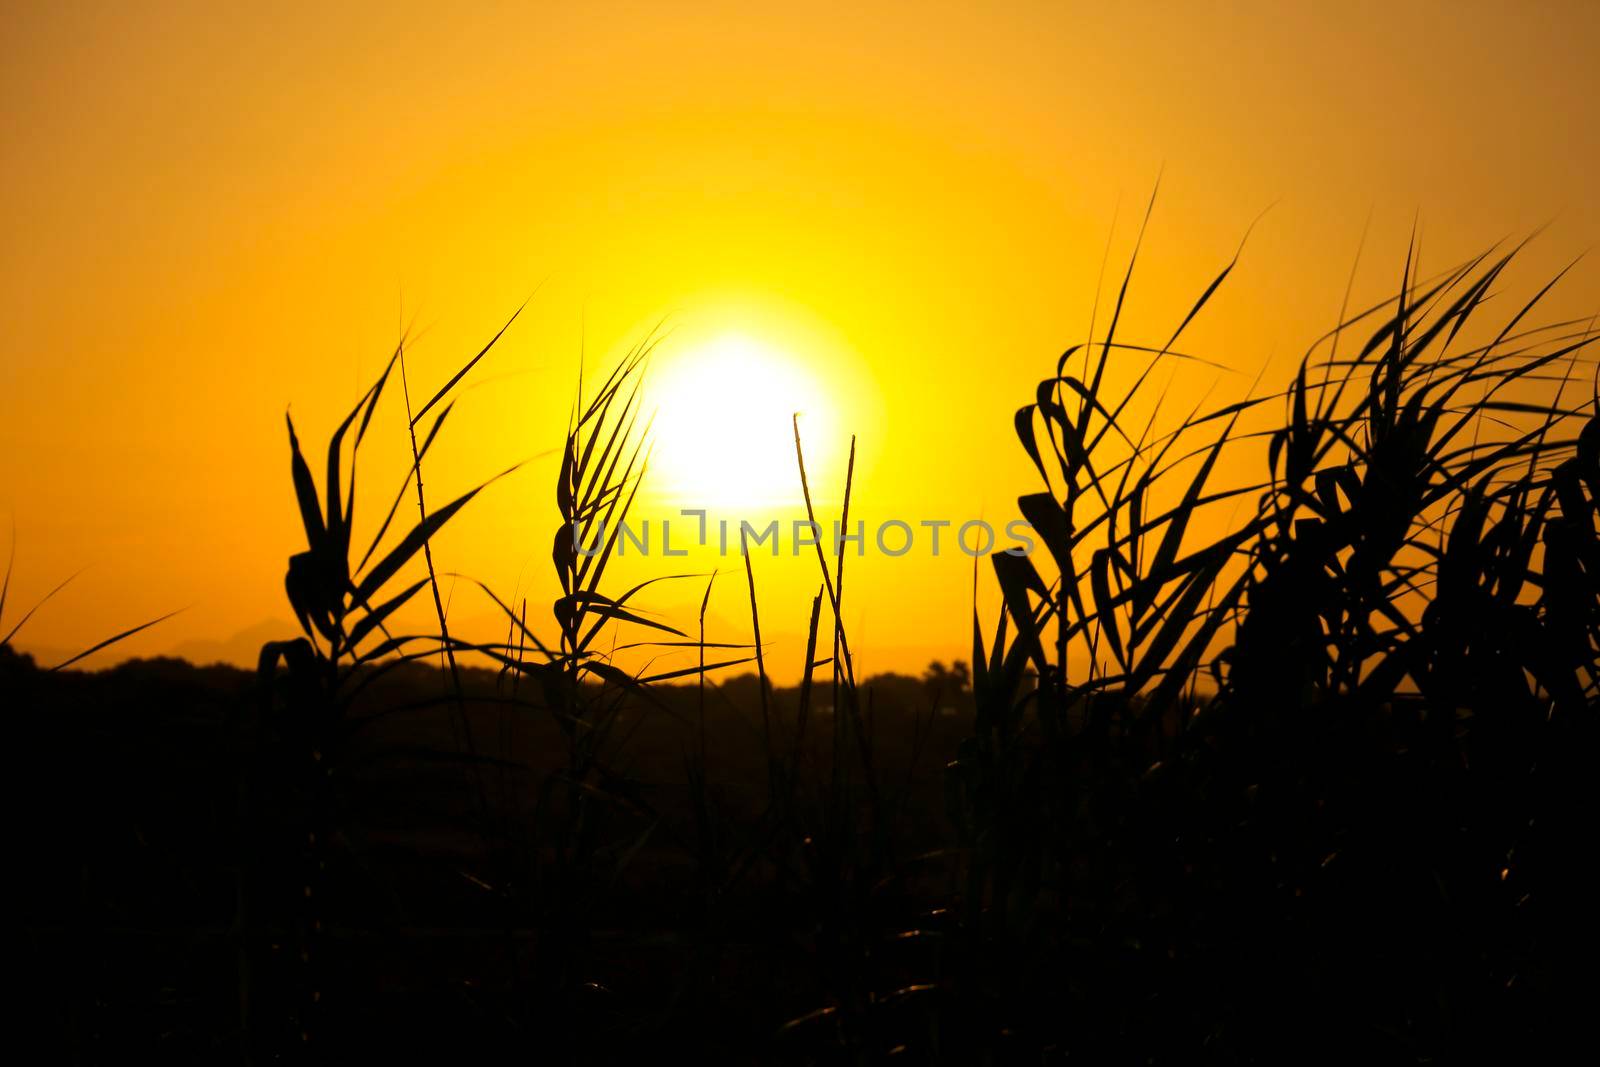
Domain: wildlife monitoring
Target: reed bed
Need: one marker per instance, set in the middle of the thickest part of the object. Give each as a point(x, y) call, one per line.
point(1287, 767)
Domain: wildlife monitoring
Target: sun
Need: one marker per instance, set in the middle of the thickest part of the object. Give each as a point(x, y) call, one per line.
point(723, 437)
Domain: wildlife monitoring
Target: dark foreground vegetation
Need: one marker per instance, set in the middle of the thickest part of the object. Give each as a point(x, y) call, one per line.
point(1312, 784)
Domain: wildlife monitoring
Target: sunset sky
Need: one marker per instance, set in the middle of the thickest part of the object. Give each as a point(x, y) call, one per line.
point(890, 217)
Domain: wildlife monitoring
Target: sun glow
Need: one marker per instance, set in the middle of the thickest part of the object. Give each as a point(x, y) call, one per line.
point(723, 433)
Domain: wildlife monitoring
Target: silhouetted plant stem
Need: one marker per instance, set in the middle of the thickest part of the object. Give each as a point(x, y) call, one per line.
point(465, 722)
point(761, 669)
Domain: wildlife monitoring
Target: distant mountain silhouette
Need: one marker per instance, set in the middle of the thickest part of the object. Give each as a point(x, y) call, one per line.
point(240, 650)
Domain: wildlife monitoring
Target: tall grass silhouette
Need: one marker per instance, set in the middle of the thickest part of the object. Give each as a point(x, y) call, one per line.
point(16, 628)
point(1277, 752)
point(1229, 783)
point(1402, 646)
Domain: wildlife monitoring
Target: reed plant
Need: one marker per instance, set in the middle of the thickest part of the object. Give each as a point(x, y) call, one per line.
point(1225, 791)
point(1278, 750)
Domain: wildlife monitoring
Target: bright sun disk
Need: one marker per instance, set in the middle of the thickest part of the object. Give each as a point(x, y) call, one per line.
point(723, 434)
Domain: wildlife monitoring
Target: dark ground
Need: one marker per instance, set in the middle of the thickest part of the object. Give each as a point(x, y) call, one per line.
point(156, 810)
point(160, 854)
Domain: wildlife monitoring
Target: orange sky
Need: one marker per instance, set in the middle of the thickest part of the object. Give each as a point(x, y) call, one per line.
point(209, 216)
